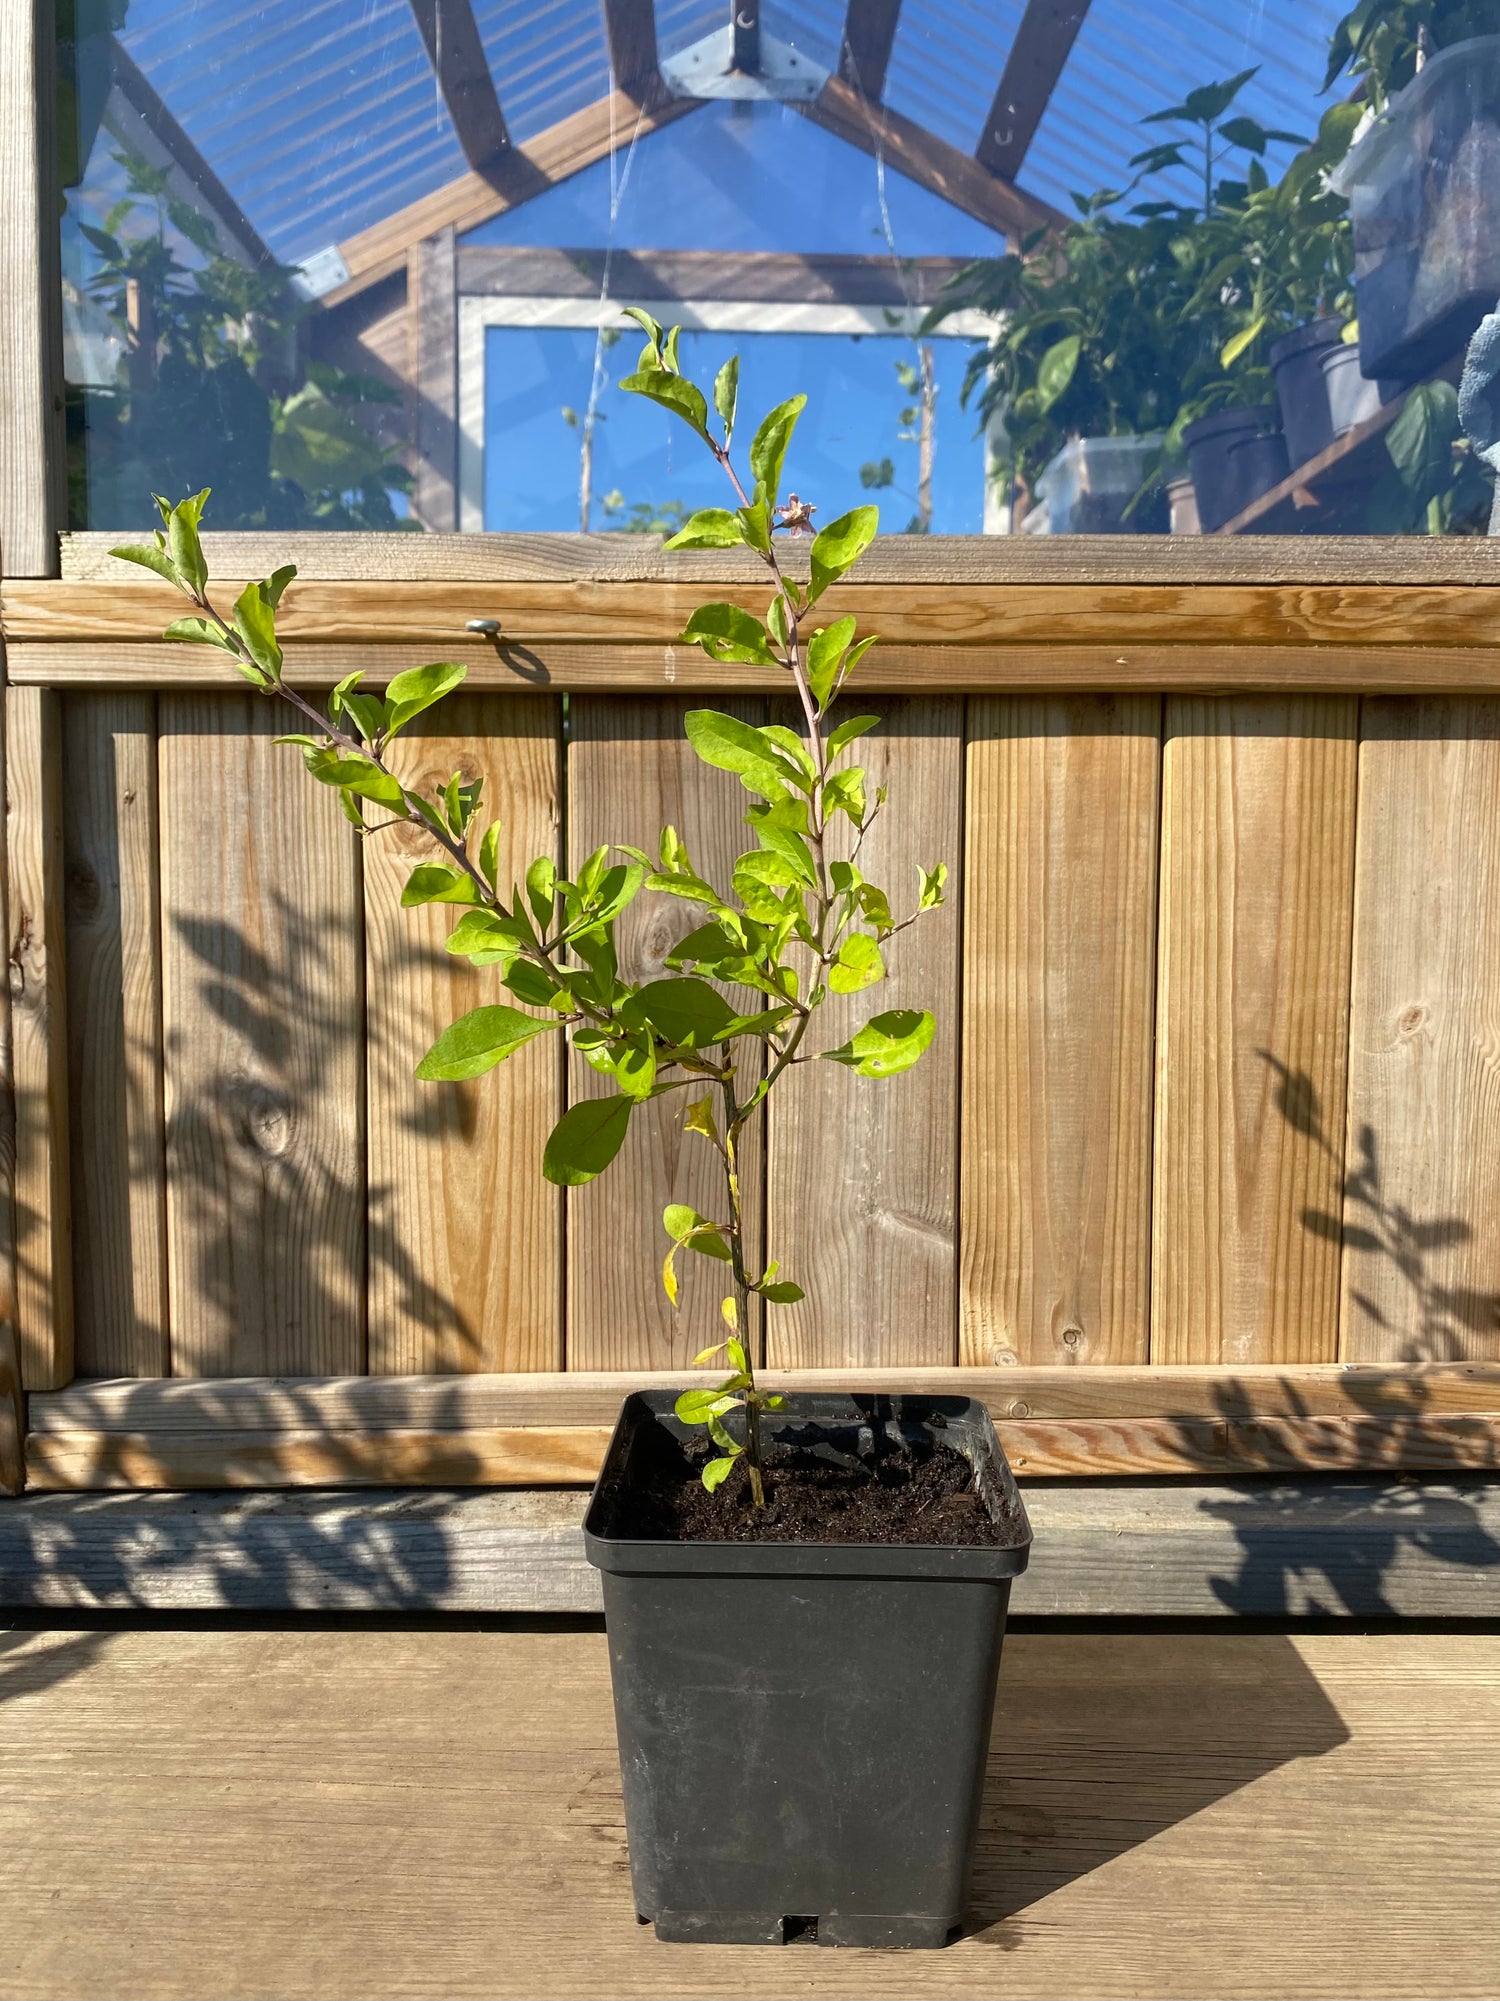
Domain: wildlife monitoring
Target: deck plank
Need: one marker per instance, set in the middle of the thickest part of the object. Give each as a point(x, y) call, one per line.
point(418, 1812)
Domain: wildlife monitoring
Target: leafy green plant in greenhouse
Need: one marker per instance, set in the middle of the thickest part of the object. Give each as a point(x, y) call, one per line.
point(211, 368)
point(799, 924)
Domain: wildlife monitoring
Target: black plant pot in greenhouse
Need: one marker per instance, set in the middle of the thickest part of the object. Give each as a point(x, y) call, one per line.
point(1301, 390)
point(803, 1726)
point(1236, 455)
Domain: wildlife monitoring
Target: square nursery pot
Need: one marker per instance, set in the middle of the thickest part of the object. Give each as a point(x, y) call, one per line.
point(1091, 488)
point(1423, 186)
point(803, 1727)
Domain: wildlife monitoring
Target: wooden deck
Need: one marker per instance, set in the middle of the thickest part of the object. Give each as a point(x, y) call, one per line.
point(393, 1812)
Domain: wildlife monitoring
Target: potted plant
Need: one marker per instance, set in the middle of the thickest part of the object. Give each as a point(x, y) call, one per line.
point(1423, 179)
point(805, 1595)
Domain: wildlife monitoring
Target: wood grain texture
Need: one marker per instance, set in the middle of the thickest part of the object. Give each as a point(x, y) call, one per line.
point(1252, 1018)
point(453, 1403)
point(1058, 1023)
point(993, 559)
point(217, 1456)
point(631, 772)
point(117, 1143)
point(32, 489)
point(929, 613)
point(1421, 1272)
point(12, 1412)
point(1172, 1814)
point(465, 1237)
point(39, 1052)
point(263, 1003)
point(863, 1175)
point(1132, 1549)
point(596, 667)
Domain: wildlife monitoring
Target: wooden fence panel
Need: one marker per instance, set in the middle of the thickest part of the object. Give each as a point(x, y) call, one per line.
point(1421, 1273)
point(263, 1015)
point(631, 772)
point(862, 1185)
point(1059, 965)
point(1258, 800)
point(465, 1237)
point(39, 1055)
point(117, 1147)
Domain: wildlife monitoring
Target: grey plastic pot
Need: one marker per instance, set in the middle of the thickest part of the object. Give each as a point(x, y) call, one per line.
point(803, 1727)
point(1296, 364)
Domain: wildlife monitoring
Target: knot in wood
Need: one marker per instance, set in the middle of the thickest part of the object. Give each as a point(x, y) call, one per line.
point(1072, 1337)
point(1005, 1358)
point(264, 1118)
point(1411, 1018)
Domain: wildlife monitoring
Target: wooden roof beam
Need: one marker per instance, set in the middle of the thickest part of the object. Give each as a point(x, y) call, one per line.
point(455, 50)
point(929, 161)
point(869, 36)
point(1043, 43)
point(634, 61)
point(562, 150)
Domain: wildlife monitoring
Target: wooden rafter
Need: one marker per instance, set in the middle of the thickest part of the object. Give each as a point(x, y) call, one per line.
point(456, 52)
point(136, 88)
point(633, 59)
point(1043, 41)
point(869, 36)
point(562, 150)
point(954, 176)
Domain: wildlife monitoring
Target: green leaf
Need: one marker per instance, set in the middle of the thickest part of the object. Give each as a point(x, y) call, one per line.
point(795, 749)
point(693, 1232)
point(760, 883)
point(726, 633)
point(541, 889)
point(478, 1041)
point(255, 622)
point(887, 1043)
point(768, 451)
point(730, 745)
point(1420, 442)
point(727, 395)
point(585, 1140)
point(698, 1406)
point(688, 1013)
point(355, 774)
point(790, 846)
point(533, 984)
point(783, 1293)
point(709, 528)
point(183, 545)
point(150, 558)
point(486, 937)
point(200, 631)
point(673, 392)
point(650, 327)
point(1235, 346)
point(699, 1117)
point(845, 793)
point(437, 882)
point(825, 650)
point(717, 1471)
point(875, 907)
point(858, 965)
point(839, 546)
point(418, 688)
point(934, 882)
point(1056, 368)
point(845, 734)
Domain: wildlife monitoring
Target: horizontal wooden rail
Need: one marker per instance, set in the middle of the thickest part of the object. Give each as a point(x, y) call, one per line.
point(568, 667)
point(550, 1429)
point(912, 614)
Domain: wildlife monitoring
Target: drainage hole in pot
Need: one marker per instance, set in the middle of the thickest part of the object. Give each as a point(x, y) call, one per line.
point(799, 1931)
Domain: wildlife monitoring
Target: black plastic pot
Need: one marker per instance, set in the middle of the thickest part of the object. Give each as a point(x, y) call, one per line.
point(1224, 478)
point(803, 1727)
point(1297, 364)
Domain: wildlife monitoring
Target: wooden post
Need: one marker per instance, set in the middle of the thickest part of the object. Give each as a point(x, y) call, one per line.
point(32, 477)
point(432, 307)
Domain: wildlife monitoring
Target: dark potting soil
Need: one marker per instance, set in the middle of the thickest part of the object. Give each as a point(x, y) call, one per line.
point(911, 1492)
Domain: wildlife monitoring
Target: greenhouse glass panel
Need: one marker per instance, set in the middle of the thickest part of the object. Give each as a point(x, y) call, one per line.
point(1103, 268)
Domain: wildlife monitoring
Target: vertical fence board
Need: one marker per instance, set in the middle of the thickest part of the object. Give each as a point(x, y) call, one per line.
point(631, 772)
point(12, 1397)
point(863, 1197)
point(1059, 969)
point(1258, 799)
point(114, 1035)
point(1421, 1266)
point(44, 1260)
point(465, 1237)
point(263, 1003)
